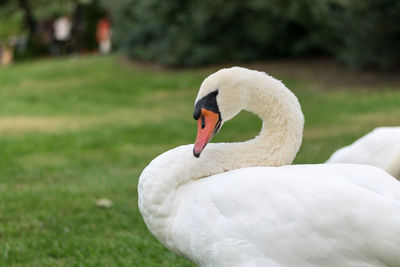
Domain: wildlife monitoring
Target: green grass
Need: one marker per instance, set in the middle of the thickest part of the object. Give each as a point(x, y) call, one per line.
point(76, 130)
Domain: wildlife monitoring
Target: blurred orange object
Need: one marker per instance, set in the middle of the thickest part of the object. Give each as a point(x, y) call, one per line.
point(6, 55)
point(103, 35)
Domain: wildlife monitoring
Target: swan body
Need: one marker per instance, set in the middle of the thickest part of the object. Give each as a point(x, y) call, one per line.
point(380, 148)
point(241, 204)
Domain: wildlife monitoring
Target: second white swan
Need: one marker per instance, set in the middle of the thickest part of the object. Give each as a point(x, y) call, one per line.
point(380, 148)
point(241, 204)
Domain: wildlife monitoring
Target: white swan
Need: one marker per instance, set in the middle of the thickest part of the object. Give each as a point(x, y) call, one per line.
point(380, 148)
point(221, 210)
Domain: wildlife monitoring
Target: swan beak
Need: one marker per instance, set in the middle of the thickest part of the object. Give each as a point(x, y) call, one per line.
point(207, 126)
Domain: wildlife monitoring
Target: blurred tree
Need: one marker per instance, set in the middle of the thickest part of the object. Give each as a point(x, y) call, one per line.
point(38, 9)
point(10, 22)
point(32, 12)
point(29, 19)
point(10, 29)
point(38, 17)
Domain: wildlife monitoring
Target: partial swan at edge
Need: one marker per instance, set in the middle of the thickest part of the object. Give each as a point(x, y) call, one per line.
point(379, 148)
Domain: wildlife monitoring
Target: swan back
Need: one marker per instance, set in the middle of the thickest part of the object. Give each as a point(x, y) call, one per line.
point(297, 215)
point(380, 148)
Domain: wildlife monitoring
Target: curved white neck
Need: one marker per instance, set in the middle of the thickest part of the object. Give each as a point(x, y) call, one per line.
point(277, 144)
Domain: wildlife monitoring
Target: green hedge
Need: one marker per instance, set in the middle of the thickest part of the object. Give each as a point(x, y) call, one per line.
point(369, 31)
point(195, 32)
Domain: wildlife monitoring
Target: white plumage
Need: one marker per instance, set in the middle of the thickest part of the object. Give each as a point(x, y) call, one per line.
point(380, 148)
point(222, 209)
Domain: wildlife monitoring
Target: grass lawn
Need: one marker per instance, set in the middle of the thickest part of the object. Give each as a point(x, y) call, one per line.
point(75, 130)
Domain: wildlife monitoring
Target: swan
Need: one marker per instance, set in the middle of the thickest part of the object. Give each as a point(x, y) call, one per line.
point(241, 204)
point(380, 148)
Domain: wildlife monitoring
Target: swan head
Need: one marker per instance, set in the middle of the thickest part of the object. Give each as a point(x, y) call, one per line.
point(219, 100)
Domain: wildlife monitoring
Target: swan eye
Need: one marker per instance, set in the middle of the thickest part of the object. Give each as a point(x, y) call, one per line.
point(203, 122)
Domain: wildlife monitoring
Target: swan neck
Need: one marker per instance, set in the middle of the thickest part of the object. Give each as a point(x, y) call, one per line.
point(282, 129)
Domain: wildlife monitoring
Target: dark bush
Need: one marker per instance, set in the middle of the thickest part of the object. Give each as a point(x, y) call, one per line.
point(177, 32)
point(369, 32)
point(195, 32)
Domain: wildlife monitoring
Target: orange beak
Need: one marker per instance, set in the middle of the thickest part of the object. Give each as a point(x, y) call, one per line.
point(207, 126)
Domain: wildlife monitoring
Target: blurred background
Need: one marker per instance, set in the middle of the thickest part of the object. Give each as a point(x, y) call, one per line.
point(91, 91)
point(186, 33)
